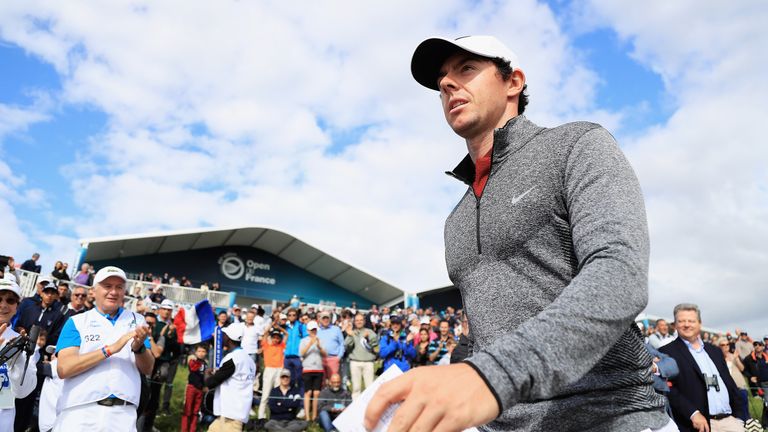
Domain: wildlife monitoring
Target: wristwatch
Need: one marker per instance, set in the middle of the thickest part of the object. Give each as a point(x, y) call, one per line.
point(140, 350)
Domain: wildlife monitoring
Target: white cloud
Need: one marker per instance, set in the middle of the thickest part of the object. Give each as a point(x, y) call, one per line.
point(704, 171)
point(271, 84)
point(261, 80)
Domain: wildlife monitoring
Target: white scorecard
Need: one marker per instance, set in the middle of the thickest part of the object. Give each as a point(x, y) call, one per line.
point(351, 419)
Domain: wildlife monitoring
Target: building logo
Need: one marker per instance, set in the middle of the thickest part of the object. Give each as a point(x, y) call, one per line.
point(232, 267)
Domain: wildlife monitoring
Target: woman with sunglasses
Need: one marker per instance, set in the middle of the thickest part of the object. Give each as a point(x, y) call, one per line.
point(12, 372)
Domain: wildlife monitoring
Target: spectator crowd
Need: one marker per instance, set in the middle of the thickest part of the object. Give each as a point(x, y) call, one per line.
point(289, 366)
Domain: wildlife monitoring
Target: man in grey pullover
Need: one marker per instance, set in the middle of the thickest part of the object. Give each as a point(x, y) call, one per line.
point(549, 249)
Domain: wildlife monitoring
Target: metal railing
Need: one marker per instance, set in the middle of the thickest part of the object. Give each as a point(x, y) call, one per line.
point(183, 295)
point(180, 294)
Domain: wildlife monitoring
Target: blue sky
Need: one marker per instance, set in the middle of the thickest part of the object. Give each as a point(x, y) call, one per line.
point(118, 120)
point(46, 152)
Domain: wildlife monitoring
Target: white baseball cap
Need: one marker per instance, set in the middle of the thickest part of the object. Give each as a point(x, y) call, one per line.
point(312, 325)
point(166, 304)
point(107, 272)
point(45, 279)
point(432, 53)
point(9, 285)
point(234, 331)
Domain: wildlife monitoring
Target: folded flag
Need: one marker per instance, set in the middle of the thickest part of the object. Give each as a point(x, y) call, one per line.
point(195, 324)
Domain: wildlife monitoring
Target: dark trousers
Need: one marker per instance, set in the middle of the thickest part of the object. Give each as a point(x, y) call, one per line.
point(150, 412)
point(170, 374)
point(293, 364)
point(26, 409)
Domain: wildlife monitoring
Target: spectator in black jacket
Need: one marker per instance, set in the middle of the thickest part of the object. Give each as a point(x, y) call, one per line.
point(59, 272)
point(64, 296)
point(45, 313)
point(756, 369)
point(30, 265)
point(703, 396)
point(284, 403)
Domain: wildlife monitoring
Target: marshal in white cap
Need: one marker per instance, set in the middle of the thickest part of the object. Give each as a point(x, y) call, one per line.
point(234, 331)
point(107, 272)
point(433, 52)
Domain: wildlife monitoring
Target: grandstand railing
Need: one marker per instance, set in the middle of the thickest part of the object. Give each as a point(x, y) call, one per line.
point(184, 295)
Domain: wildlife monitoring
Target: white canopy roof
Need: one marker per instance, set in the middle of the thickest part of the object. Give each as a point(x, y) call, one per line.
point(274, 241)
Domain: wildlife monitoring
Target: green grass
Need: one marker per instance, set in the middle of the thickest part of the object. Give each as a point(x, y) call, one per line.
point(172, 423)
point(756, 407)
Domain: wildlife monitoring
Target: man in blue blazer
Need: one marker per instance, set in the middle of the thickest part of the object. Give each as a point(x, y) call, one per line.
point(703, 396)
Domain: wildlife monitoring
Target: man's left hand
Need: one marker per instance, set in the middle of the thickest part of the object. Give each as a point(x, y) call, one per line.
point(430, 403)
point(141, 333)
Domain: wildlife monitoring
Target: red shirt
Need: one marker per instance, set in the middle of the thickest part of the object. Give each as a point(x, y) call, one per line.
point(482, 169)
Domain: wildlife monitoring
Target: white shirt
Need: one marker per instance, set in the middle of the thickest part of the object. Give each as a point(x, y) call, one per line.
point(250, 342)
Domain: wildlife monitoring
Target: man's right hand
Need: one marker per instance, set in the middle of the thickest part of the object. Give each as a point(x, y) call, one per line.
point(753, 379)
point(700, 422)
point(117, 346)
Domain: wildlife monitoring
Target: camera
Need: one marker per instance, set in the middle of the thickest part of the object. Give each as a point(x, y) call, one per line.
point(711, 381)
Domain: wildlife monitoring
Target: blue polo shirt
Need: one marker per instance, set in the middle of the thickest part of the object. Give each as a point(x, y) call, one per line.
point(70, 336)
point(296, 332)
point(718, 400)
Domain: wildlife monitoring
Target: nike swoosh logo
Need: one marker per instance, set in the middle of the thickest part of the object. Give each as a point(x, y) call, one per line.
point(519, 197)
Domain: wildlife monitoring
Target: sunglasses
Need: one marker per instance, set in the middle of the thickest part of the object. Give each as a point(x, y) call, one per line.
point(80, 295)
point(9, 300)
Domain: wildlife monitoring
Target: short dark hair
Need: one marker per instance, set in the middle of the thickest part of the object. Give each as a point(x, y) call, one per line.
point(150, 315)
point(201, 345)
point(505, 70)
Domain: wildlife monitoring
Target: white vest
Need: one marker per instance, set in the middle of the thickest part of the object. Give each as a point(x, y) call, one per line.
point(234, 396)
point(116, 375)
point(7, 393)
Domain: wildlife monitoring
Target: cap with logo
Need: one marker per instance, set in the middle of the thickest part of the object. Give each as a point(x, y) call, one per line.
point(285, 372)
point(395, 319)
point(166, 304)
point(277, 333)
point(9, 285)
point(433, 52)
point(234, 331)
point(312, 325)
point(50, 287)
point(45, 280)
point(107, 272)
